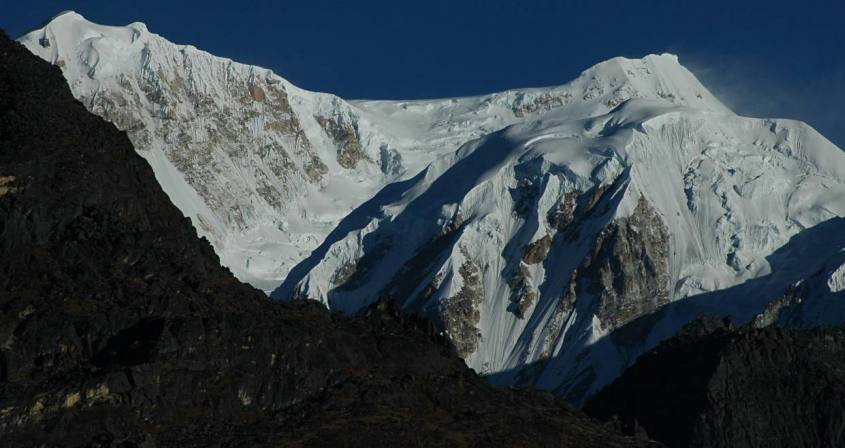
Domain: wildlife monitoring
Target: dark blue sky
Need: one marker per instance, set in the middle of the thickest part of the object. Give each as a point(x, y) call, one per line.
point(774, 58)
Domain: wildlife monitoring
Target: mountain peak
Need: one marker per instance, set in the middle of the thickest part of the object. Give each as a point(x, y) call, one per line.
point(74, 43)
point(67, 14)
point(70, 27)
point(657, 76)
point(650, 57)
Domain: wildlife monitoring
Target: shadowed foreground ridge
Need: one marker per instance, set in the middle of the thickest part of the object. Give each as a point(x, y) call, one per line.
point(716, 386)
point(119, 327)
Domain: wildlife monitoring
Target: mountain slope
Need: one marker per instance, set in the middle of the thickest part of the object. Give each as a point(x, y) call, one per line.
point(722, 387)
point(265, 170)
point(553, 234)
point(534, 243)
point(120, 328)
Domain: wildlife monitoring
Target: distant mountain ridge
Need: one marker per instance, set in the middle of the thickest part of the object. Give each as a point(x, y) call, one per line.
point(551, 233)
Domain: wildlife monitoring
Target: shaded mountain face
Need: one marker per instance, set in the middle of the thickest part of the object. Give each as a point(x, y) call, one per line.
point(716, 386)
point(120, 328)
point(552, 234)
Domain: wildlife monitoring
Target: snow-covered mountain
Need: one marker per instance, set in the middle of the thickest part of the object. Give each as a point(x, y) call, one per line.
point(263, 169)
point(266, 170)
point(553, 233)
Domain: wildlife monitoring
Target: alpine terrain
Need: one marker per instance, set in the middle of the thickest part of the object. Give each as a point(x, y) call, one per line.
point(119, 327)
point(552, 234)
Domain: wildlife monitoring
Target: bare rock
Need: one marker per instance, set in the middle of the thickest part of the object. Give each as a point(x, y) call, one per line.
point(628, 267)
point(345, 136)
point(119, 327)
point(460, 313)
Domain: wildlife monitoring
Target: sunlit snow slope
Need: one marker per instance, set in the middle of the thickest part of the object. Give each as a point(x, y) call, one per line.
point(552, 232)
point(265, 170)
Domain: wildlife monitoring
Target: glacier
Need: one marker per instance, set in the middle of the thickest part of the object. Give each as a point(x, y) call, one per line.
point(553, 233)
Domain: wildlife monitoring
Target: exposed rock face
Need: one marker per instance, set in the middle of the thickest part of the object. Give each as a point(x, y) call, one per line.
point(250, 124)
point(628, 267)
point(120, 328)
point(6, 185)
point(345, 136)
point(537, 251)
point(524, 293)
point(257, 92)
point(564, 214)
point(768, 387)
point(460, 313)
point(544, 102)
point(522, 288)
point(780, 307)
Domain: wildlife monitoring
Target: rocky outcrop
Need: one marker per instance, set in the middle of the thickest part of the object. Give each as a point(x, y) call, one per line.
point(536, 252)
point(715, 386)
point(541, 103)
point(564, 214)
point(628, 267)
point(523, 293)
point(205, 133)
point(7, 185)
point(779, 309)
point(120, 328)
point(461, 312)
point(345, 136)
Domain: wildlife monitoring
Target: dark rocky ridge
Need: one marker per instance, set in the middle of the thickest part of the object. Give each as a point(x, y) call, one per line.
point(716, 386)
point(118, 327)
